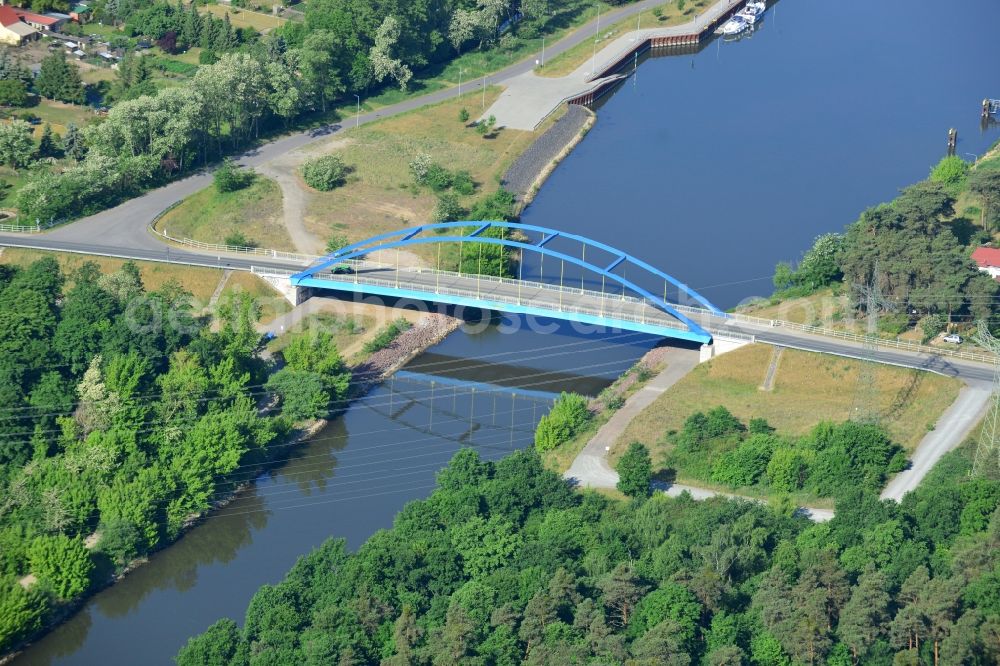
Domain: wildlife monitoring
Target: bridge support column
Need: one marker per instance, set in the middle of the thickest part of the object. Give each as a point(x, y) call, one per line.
point(721, 346)
point(293, 294)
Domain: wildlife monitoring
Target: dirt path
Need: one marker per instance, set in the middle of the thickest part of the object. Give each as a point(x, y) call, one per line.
point(591, 468)
point(950, 430)
point(294, 193)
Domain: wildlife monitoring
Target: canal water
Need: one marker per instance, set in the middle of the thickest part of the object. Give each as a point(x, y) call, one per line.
point(713, 166)
point(717, 165)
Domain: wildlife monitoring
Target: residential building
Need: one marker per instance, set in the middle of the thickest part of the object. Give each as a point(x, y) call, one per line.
point(13, 31)
point(988, 260)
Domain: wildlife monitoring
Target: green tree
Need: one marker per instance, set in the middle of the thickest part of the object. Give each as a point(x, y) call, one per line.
point(13, 92)
point(17, 148)
point(59, 79)
point(635, 471)
point(48, 144)
point(950, 171)
point(215, 647)
point(986, 184)
point(229, 177)
point(73, 145)
point(303, 393)
point(324, 173)
point(21, 612)
point(61, 564)
point(568, 416)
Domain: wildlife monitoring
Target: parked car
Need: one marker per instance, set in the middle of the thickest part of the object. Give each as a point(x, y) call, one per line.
point(953, 339)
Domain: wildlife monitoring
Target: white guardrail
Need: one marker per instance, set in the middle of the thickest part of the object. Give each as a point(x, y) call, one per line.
point(305, 259)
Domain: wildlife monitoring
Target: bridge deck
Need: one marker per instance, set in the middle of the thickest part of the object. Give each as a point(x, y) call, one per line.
point(506, 295)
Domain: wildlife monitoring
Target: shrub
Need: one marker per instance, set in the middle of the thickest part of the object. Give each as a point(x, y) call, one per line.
point(230, 177)
point(568, 416)
point(933, 325)
point(448, 209)
point(635, 471)
point(950, 171)
point(419, 167)
point(746, 464)
point(437, 177)
point(237, 239)
point(893, 324)
point(335, 242)
point(207, 57)
point(324, 173)
point(463, 115)
point(385, 337)
point(462, 183)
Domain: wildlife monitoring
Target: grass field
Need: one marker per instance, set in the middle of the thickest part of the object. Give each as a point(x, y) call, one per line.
point(243, 18)
point(808, 388)
point(569, 60)
point(380, 195)
point(272, 304)
point(59, 115)
point(210, 216)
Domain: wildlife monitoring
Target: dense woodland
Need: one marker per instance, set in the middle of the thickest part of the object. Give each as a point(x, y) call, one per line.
point(122, 417)
point(506, 564)
point(916, 248)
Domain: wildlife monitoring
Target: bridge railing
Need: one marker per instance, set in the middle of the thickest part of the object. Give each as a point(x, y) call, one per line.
point(660, 318)
point(902, 345)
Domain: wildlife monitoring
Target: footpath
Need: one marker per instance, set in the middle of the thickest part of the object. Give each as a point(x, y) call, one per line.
point(590, 469)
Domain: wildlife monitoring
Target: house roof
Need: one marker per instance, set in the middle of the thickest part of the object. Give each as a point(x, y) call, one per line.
point(7, 16)
point(22, 29)
point(987, 257)
point(35, 18)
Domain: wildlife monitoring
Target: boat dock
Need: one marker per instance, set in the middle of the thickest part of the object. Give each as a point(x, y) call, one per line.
point(529, 98)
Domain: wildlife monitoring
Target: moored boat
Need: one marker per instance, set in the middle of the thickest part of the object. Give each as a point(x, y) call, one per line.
point(734, 26)
point(753, 12)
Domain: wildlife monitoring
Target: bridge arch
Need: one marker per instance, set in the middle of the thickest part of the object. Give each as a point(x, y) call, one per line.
point(472, 232)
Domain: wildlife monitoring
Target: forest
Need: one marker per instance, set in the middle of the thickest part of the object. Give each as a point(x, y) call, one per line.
point(916, 248)
point(123, 416)
point(506, 564)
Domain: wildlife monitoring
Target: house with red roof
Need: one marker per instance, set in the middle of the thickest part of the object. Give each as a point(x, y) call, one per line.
point(39, 21)
point(988, 260)
point(14, 31)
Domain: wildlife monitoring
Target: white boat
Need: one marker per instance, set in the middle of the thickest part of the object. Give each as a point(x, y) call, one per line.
point(753, 12)
point(734, 26)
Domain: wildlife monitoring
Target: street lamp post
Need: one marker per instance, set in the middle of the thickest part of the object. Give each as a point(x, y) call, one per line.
point(460, 70)
point(357, 117)
point(484, 91)
point(597, 36)
point(543, 50)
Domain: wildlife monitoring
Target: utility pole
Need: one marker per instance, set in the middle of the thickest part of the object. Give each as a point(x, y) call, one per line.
point(866, 408)
point(986, 450)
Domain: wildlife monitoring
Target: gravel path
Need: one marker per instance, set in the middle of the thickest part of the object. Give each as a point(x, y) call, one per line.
point(523, 173)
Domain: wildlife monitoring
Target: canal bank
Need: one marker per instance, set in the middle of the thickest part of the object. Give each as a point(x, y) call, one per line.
point(429, 329)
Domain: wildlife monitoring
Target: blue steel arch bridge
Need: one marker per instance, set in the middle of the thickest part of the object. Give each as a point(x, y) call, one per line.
point(606, 287)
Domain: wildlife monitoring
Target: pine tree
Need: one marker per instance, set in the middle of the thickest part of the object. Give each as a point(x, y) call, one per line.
point(225, 38)
point(191, 27)
point(58, 79)
point(863, 620)
point(47, 145)
point(72, 144)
